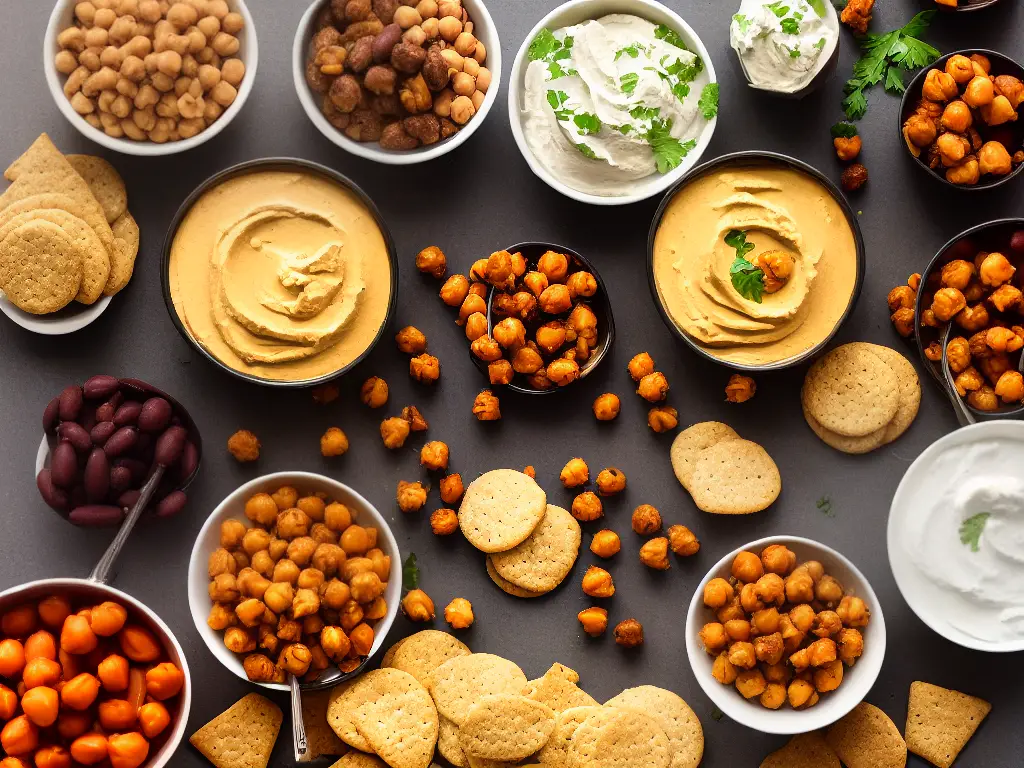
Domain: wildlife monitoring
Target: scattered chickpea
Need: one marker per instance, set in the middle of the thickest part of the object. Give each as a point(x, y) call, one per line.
point(326, 394)
point(682, 541)
point(244, 446)
point(425, 369)
point(606, 407)
point(444, 522)
point(411, 340)
point(587, 507)
point(597, 582)
point(411, 496)
point(575, 473)
point(374, 392)
point(646, 520)
point(662, 418)
point(431, 261)
point(653, 387)
point(530, 471)
point(417, 422)
point(740, 388)
point(459, 613)
point(486, 406)
point(605, 543)
point(610, 481)
point(334, 442)
point(654, 554)
point(418, 606)
point(629, 633)
point(455, 290)
point(641, 365)
point(434, 455)
point(394, 431)
point(594, 620)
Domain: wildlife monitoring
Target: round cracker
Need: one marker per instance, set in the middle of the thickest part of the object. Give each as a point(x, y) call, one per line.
point(40, 267)
point(124, 252)
point(400, 724)
point(507, 586)
point(681, 725)
point(619, 738)
point(359, 760)
point(910, 389)
point(805, 750)
point(389, 654)
point(556, 751)
point(554, 690)
point(457, 684)
point(867, 738)
point(735, 477)
point(851, 391)
point(104, 182)
point(690, 442)
point(345, 698)
point(506, 726)
point(543, 561)
point(422, 653)
point(448, 743)
point(852, 445)
point(500, 510)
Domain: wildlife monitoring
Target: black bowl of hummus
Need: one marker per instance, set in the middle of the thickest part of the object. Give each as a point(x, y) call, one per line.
point(280, 271)
point(755, 260)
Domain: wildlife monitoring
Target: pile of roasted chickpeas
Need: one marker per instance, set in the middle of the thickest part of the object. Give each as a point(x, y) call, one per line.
point(782, 631)
point(979, 291)
point(301, 585)
point(961, 125)
point(83, 683)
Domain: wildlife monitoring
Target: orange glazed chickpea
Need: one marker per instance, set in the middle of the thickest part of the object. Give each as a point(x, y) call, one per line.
point(41, 672)
point(53, 610)
point(127, 750)
point(117, 715)
point(8, 703)
point(71, 725)
point(53, 756)
point(41, 706)
point(12, 658)
point(138, 644)
point(89, 749)
point(19, 622)
point(113, 673)
point(164, 681)
point(77, 636)
point(80, 692)
point(153, 718)
point(40, 645)
point(19, 737)
point(107, 619)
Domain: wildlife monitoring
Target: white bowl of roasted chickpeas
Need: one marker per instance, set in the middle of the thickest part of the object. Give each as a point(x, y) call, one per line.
point(294, 573)
point(150, 77)
point(785, 635)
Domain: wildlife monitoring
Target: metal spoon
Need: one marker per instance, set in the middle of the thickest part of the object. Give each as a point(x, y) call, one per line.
point(329, 678)
point(963, 415)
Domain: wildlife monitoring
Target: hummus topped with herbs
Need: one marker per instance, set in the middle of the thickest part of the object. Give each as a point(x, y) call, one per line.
point(757, 264)
point(283, 275)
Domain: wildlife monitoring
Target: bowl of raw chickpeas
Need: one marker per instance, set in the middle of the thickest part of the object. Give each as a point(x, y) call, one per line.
point(294, 573)
point(150, 77)
point(785, 635)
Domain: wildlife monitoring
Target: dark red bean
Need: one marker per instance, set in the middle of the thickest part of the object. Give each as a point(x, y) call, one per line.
point(54, 497)
point(138, 468)
point(102, 432)
point(96, 515)
point(70, 402)
point(170, 445)
point(105, 412)
point(75, 434)
point(63, 465)
point(97, 476)
point(121, 441)
point(100, 387)
point(143, 445)
point(1017, 241)
point(76, 497)
point(171, 504)
point(120, 479)
point(127, 499)
point(155, 416)
point(189, 461)
point(50, 416)
point(128, 414)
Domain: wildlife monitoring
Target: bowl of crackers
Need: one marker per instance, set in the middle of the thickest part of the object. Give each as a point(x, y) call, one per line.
point(785, 635)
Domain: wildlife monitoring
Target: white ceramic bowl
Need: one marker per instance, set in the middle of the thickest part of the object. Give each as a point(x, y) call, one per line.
point(575, 12)
point(72, 318)
point(61, 18)
point(932, 604)
point(208, 540)
point(857, 680)
point(483, 29)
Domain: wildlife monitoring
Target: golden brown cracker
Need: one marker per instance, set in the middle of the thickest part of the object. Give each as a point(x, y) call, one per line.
point(506, 726)
point(543, 561)
point(389, 654)
point(681, 725)
point(124, 253)
point(40, 267)
point(104, 182)
point(910, 389)
point(619, 738)
point(400, 724)
point(556, 751)
point(507, 586)
point(851, 391)
point(344, 700)
point(422, 653)
point(851, 445)
point(448, 743)
point(555, 691)
point(735, 477)
point(243, 736)
point(500, 510)
point(805, 750)
point(320, 739)
point(459, 683)
point(867, 738)
point(690, 442)
point(359, 760)
point(940, 722)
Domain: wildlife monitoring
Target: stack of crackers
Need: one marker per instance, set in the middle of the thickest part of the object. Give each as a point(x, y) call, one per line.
point(531, 546)
point(860, 397)
point(65, 231)
point(725, 474)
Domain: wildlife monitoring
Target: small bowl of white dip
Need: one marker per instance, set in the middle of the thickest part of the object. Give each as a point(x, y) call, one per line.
point(956, 536)
point(612, 139)
point(786, 47)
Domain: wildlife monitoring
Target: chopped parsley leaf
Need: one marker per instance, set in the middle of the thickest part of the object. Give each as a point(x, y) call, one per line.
point(708, 103)
point(586, 151)
point(628, 81)
point(641, 112)
point(557, 101)
point(587, 123)
point(742, 22)
point(681, 91)
point(820, 45)
point(791, 26)
point(668, 151)
point(778, 8)
point(633, 51)
point(843, 130)
point(971, 528)
point(747, 279)
point(685, 71)
point(670, 36)
point(818, 6)
point(410, 574)
point(794, 53)
point(543, 45)
point(624, 129)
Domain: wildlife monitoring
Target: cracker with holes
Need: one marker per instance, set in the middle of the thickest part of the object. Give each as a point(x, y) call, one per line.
point(940, 722)
point(500, 510)
point(543, 561)
point(735, 477)
point(506, 727)
point(459, 683)
point(685, 735)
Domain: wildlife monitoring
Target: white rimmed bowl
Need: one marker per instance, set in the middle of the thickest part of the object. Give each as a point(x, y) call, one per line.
point(857, 680)
point(483, 29)
point(575, 12)
point(62, 17)
point(933, 605)
point(72, 318)
point(208, 540)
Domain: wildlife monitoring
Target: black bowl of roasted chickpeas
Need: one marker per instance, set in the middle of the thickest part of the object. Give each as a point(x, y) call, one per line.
point(959, 119)
point(540, 320)
point(294, 573)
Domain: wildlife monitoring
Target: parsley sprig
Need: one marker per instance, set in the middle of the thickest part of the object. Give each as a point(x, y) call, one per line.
point(971, 528)
point(843, 130)
point(549, 49)
point(883, 60)
point(668, 151)
point(747, 278)
point(670, 36)
point(410, 574)
point(708, 102)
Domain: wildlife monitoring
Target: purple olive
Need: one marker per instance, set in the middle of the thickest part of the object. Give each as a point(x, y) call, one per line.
point(70, 402)
point(50, 415)
point(1017, 241)
point(96, 515)
point(155, 416)
point(128, 414)
point(97, 476)
point(171, 504)
point(54, 497)
point(99, 387)
point(189, 461)
point(127, 499)
point(63, 465)
point(170, 445)
point(121, 441)
point(75, 434)
point(138, 468)
point(120, 479)
point(102, 432)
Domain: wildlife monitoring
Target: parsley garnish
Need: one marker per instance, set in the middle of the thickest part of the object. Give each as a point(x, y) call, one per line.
point(818, 6)
point(778, 8)
point(971, 528)
point(668, 151)
point(791, 26)
point(738, 240)
point(824, 505)
point(708, 103)
point(557, 100)
point(844, 130)
point(670, 36)
point(633, 51)
point(742, 22)
point(794, 53)
point(543, 45)
point(820, 45)
point(548, 48)
point(641, 112)
point(628, 82)
point(685, 71)
point(586, 151)
point(882, 59)
point(747, 279)
point(587, 123)
point(410, 574)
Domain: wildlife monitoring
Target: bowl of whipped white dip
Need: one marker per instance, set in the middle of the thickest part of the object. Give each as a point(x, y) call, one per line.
point(788, 47)
point(956, 536)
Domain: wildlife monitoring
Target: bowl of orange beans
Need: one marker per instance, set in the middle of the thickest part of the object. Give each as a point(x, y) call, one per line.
point(88, 676)
point(785, 635)
point(294, 573)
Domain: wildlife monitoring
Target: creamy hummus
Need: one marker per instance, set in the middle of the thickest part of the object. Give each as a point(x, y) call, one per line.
point(282, 275)
point(778, 209)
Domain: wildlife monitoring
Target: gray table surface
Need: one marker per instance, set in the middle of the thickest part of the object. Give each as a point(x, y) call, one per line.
point(472, 202)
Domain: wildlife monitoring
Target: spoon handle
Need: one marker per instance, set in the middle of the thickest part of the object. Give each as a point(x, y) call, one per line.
point(298, 727)
point(963, 416)
point(105, 566)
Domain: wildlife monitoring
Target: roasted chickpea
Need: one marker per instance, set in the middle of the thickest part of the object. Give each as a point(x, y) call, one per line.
point(770, 588)
point(328, 558)
point(555, 299)
point(741, 654)
point(459, 613)
point(654, 554)
point(1010, 387)
point(901, 296)
point(956, 274)
point(434, 455)
point(903, 321)
point(939, 86)
point(486, 406)
point(500, 372)
point(980, 92)
point(418, 606)
point(765, 621)
point(594, 620)
point(749, 601)
point(956, 117)
point(244, 446)
point(223, 589)
point(554, 266)
point(960, 69)
point(510, 333)
point(629, 633)
point(717, 593)
point(444, 522)
point(374, 392)
point(261, 509)
point(994, 159)
point(233, 531)
point(581, 283)
point(850, 645)
point(527, 360)
point(431, 261)
point(983, 399)
point(723, 670)
point(610, 481)
point(778, 559)
point(597, 582)
point(646, 520)
point(411, 340)
point(853, 612)
point(455, 290)
point(946, 303)
point(769, 648)
point(714, 637)
point(411, 497)
point(606, 407)
point(425, 369)
point(300, 551)
point(653, 387)
point(394, 431)
point(605, 544)
point(682, 541)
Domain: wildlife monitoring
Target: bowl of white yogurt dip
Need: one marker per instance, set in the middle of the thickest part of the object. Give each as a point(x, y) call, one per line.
point(956, 536)
point(612, 101)
point(788, 47)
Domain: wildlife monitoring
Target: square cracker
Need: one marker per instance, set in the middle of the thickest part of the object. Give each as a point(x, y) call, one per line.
point(866, 738)
point(243, 736)
point(940, 722)
point(401, 724)
point(320, 739)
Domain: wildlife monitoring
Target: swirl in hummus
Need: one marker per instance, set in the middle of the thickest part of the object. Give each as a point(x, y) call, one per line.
point(779, 211)
point(282, 275)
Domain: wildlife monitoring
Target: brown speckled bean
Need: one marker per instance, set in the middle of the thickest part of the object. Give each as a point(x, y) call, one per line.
point(128, 413)
point(75, 434)
point(63, 465)
point(189, 460)
point(121, 441)
point(120, 479)
point(99, 387)
point(102, 432)
point(170, 445)
point(96, 477)
point(171, 504)
point(96, 515)
point(155, 415)
point(54, 497)
point(70, 402)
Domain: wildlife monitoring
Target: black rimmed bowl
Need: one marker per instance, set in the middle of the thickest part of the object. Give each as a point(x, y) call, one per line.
point(990, 236)
point(599, 303)
point(753, 159)
point(1001, 65)
point(277, 164)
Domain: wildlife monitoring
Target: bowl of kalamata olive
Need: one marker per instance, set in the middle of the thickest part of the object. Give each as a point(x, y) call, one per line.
point(100, 445)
